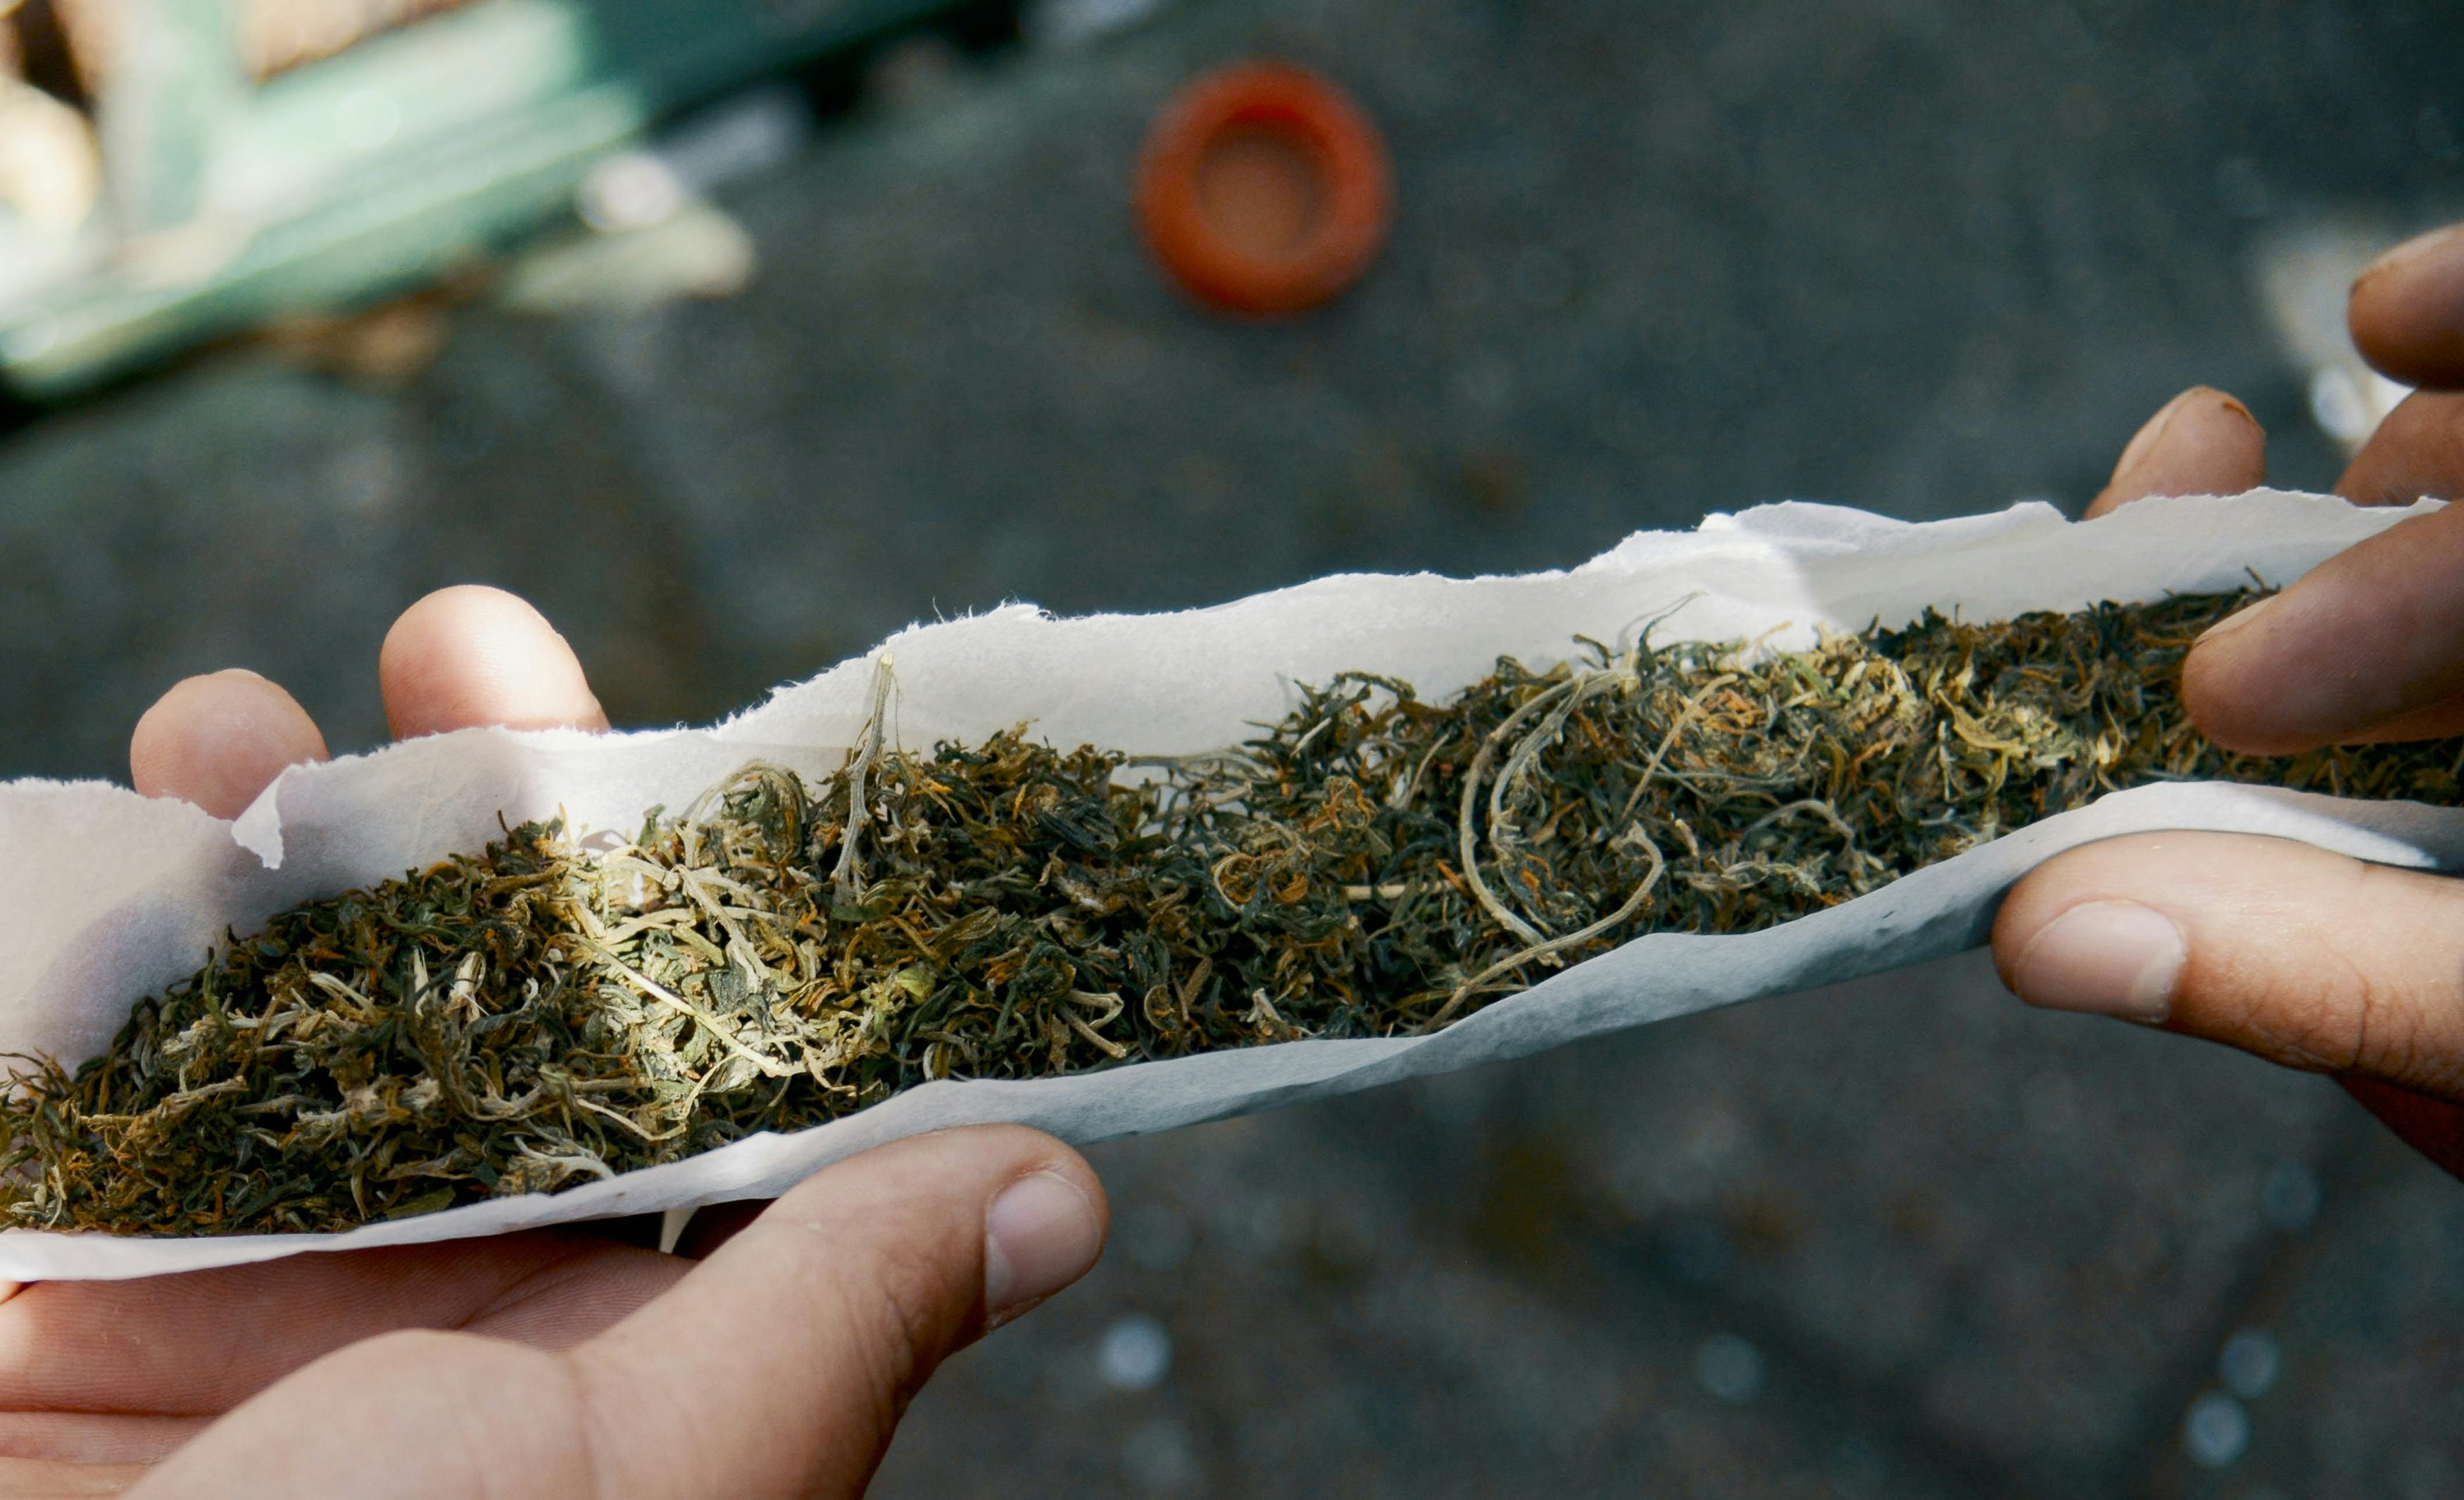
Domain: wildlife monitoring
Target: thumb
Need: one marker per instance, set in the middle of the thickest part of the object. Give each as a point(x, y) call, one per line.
point(2303, 957)
point(779, 1367)
point(782, 1365)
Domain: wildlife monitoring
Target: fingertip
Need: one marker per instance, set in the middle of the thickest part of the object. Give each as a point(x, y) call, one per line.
point(1041, 1232)
point(2096, 892)
point(2275, 678)
point(2418, 451)
point(219, 739)
point(472, 656)
point(2200, 442)
point(2406, 310)
point(2226, 688)
point(2361, 647)
point(2301, 955)
point(2027, 908)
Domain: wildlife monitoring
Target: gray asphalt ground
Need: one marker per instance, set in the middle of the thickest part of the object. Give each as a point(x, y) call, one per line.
point(1901, 1239)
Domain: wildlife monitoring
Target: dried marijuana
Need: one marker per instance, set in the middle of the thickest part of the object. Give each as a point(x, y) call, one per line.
point(781, 954)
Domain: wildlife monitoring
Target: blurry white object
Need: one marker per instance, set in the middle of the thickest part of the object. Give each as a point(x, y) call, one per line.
point(695, 250)
point(1136, 1353)
point(748, 134)
point(2215, 1431)
point(631, 190)
point(2304, 275)
point(2349, 408)
point(658, 237)
point(51, 170)
point(367, 119)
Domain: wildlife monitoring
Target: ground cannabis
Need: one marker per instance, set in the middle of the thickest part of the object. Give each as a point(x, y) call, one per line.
point(781, 954)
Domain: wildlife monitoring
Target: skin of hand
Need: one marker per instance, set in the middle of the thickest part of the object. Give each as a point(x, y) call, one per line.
point(772, 1355)
point(2302, 957)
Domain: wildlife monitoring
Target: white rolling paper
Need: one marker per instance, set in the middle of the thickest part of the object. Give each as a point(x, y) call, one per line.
point(113, 896)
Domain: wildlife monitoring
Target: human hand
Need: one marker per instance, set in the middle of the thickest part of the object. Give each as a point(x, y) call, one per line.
point(98, 1380)
point(2306, 958)
point(778, 1366)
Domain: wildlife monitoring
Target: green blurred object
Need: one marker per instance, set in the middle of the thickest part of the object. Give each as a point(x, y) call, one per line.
point(248, 173)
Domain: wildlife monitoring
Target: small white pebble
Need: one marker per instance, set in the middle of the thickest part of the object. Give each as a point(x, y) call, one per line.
point(2215, 1431)
point(1136, 1353)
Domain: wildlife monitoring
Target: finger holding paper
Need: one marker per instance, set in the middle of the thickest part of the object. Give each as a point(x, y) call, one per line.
point(120, 1373)
point(2307, 957)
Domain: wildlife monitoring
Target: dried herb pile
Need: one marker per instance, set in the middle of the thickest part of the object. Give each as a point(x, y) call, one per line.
point(781, 954)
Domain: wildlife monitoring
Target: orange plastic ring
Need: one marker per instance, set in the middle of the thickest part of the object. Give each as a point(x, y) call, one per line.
point(1265, 190)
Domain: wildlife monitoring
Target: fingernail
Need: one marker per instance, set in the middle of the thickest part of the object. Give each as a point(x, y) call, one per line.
point(1039, 1235)
point(2143, 441)
point(2419, 248)
point(2235, 620)
point(2106, 958)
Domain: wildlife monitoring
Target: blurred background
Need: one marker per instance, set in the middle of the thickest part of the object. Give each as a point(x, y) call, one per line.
point(738, 335)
